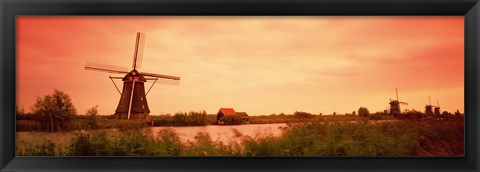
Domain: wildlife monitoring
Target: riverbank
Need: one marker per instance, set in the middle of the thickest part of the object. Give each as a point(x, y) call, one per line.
point(170, 121)
point(221, 133)
point(400, 138)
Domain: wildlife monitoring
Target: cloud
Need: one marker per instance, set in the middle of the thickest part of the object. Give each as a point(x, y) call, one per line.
point(261, 64)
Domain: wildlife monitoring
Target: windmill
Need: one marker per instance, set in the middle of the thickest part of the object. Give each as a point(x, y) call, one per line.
point(133, 102)
point(437, 109)
point(428, 108)
point(395, 105)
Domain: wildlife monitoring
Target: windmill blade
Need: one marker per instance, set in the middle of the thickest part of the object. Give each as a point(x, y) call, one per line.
point(161, 76)
point(163, 81)
point(396, 90)
point(138, 53)
point(403, 103)
point(105, 68)
point(167, 81)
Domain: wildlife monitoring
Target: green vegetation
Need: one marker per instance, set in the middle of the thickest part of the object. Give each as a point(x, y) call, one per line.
point(28, 125)
point(299, 114)
point(89, 121)
point(54, 111)
point(82, 124)
point(271, 119)
point(412, 133)
point(362, 138)
point(92, 121)
point(363, 111)
point(183, 119)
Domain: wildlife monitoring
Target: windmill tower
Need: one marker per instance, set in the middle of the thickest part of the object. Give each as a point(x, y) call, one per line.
point(395, 106)
point(133, 102)
point(437, 109)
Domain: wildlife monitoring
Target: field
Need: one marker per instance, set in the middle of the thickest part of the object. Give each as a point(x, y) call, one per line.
point(310, 138)
point(105, 122)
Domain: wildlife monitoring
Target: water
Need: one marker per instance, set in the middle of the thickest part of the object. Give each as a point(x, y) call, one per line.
point(225, 133)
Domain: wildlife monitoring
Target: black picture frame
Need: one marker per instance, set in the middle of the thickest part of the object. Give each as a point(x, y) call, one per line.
point(9, 9)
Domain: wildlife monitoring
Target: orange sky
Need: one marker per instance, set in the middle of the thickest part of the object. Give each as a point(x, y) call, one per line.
point(260, 65)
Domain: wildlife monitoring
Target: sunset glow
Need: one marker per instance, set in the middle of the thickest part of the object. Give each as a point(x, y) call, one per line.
point(259, 65)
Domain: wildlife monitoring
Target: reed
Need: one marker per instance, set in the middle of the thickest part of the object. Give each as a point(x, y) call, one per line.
point(327, 138)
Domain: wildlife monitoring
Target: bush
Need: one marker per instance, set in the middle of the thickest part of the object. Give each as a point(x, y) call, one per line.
point(399, 138)
point(28, 125)
point(181, 119)
point(92, 117)
point(458, 114)
point(415, 115)
point(363, 111)
point(184, 119)
point(446, 114)
point(300, 114)
point(45, 148)
point(198, 118)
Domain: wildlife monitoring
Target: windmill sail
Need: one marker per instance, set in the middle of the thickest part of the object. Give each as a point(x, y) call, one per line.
point(105, 68)
point(139, 48)
point(133, 102)
point(163, 81)
point(161, 76)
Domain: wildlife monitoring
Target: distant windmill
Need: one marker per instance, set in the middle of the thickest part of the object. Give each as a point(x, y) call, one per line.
point(395, 105)
point(437, 109)
point(428, 108)
point(133, 101)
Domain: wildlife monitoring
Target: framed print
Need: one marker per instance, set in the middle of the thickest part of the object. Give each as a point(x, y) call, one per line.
point(250, 85)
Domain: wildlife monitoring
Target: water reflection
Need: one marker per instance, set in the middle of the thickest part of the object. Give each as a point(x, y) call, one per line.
point(225, 133)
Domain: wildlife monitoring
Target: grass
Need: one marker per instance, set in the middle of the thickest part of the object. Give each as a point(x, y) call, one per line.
point(28, 125)
point(81, 124)
point(185, 119)
point(271, 119)
point(327, 138)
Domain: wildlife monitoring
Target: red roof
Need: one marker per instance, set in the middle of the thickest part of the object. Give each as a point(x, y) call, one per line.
point(228, 111)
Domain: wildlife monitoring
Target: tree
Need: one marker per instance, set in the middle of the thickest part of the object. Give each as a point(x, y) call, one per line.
point(54, 111)
point(446, 114)
point(413, 114)
point(363, 111)
point(92, 117)
point(457, 113)
point(19, 110)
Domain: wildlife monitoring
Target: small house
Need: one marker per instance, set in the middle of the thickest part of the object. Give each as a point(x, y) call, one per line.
point(244, 116)
point(230, 112)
